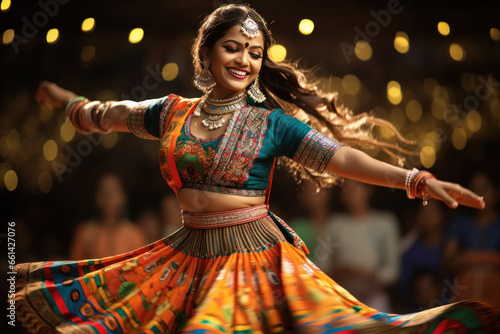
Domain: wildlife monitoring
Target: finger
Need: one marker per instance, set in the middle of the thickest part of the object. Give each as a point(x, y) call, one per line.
point(467, 198)
point(439, 193)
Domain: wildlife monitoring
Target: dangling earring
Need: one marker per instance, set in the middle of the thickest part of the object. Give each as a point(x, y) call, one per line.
point(255, 92)
point(205, 81)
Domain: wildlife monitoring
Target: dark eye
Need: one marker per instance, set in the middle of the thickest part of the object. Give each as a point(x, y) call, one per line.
point(230, 49)
point(255, 55)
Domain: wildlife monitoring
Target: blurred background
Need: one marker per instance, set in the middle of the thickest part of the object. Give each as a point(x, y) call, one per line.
point(431, 68)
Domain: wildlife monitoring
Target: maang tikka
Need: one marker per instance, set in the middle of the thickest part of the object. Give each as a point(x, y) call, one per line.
point(250, 28)
point(205, 81)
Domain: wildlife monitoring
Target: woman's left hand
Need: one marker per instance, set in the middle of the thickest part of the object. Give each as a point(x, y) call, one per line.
point(454, 194)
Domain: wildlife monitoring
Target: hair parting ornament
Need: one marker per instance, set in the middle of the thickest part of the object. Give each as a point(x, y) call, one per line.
point(250, 28)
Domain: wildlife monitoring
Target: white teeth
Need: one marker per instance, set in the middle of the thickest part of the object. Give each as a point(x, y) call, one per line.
point(232, 70)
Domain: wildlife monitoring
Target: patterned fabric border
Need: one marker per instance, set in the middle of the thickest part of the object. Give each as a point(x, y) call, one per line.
point(225, 190)
point(239, 147)
point(226, 218)
point(166, 112)
point(316, 150)
point(135, 121)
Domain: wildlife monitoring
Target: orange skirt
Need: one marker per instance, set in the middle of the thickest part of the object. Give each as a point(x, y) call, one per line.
point(239, 271)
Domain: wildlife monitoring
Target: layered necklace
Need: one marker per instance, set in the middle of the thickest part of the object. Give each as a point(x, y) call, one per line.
point(215, 109)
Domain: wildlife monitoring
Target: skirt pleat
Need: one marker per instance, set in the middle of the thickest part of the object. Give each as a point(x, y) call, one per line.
point(244, 278)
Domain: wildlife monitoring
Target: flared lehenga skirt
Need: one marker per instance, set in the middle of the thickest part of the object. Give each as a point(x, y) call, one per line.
point(230, 272)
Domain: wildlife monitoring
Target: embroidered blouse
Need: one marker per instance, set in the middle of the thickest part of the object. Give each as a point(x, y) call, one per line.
point(240, 161)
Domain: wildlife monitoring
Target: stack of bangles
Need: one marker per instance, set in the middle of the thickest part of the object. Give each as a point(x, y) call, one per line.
point(87, 116)
point(416, 184)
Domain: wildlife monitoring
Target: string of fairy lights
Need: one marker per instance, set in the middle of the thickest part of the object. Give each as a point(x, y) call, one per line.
point(404, 109)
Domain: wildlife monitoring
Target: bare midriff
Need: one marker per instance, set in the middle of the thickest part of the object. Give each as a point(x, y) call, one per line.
point(200, 201)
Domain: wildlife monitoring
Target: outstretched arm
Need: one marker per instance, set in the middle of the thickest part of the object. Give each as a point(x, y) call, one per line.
point(114, 119)
point(357, 165)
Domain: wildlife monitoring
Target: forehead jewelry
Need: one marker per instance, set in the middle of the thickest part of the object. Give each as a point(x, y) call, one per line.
point(250, 28)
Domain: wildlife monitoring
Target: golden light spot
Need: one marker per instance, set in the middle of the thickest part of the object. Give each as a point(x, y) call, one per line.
point(5, 6)
point(88, 53)
point(413, 110)
point(45, 182)
point(136, 35)
point(50, 150)
point(45, 113)
point(427, 156)
point(402, 42)
point(8, 36)
point(439, 107)
point(52, 36)
point(394, 94)
point(459, 139)
point(170, 71)
point(88, 24)
point(468, 82)
point(67, 131)
point(277, 52)
point(306, 26)
point(443, 28)
point(473, 120)
point(457, 53)
point(10, 180)
point(397, 117)
point(13, 139)
point(363, 50)
point(495, 34)
point(110, 140)
point(351, 84)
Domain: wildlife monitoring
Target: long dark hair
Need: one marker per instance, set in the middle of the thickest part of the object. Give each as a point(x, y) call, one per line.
point(292, 89)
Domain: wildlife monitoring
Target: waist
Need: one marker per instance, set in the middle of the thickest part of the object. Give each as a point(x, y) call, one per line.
point(224, 218)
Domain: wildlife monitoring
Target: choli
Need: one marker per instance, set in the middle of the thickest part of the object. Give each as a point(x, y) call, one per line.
point(240, 161)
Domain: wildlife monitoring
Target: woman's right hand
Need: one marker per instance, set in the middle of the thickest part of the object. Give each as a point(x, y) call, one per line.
point(52, 95)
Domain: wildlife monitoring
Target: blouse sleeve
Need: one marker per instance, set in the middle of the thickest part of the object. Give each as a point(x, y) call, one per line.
point(144, 119)
point(301, 143)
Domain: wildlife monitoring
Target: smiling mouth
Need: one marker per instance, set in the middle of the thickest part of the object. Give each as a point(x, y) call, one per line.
point(239, 74)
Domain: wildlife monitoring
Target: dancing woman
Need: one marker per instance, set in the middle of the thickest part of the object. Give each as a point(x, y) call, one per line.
point(233, 267)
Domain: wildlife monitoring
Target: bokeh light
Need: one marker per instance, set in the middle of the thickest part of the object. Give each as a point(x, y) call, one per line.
point(363, 50)
point(443, 28)
point(88, 53)
point(50, 150)
point(495, 34)
point(45, 182)
point(52, 36)
point(459, 139)
point(67, 131)
point(88, 24)
point(110, 140)
point(170, 71)
point(136, 35)
point(402, 42)
point(5, 5)
point(351, 84)
point(457, 53)
point(394, 94)
point(277, 52)
point(414, 110)
point(428, 156)
point(474, 120)
point(306, 27)
point(8, 36)
point(10, 180)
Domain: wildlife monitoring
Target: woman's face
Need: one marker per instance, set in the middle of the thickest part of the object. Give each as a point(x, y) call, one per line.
point(235, 61)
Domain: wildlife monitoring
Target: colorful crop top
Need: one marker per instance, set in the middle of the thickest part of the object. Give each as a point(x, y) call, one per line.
point(238, 162)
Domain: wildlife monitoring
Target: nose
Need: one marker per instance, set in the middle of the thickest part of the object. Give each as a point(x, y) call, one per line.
point(242, 59)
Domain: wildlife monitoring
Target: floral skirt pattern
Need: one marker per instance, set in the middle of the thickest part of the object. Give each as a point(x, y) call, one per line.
point(244, 278)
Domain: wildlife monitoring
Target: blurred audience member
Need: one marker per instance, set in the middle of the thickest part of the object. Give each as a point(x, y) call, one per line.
point(150, 224)
point(170, 214)
point(472, 251)
point(110, 233)
point(426, 290)
point(311, 226)
point(423, 253)
point(366, 257)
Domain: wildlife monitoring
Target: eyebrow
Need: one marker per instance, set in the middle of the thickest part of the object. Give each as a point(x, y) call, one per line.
point(251, 47)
